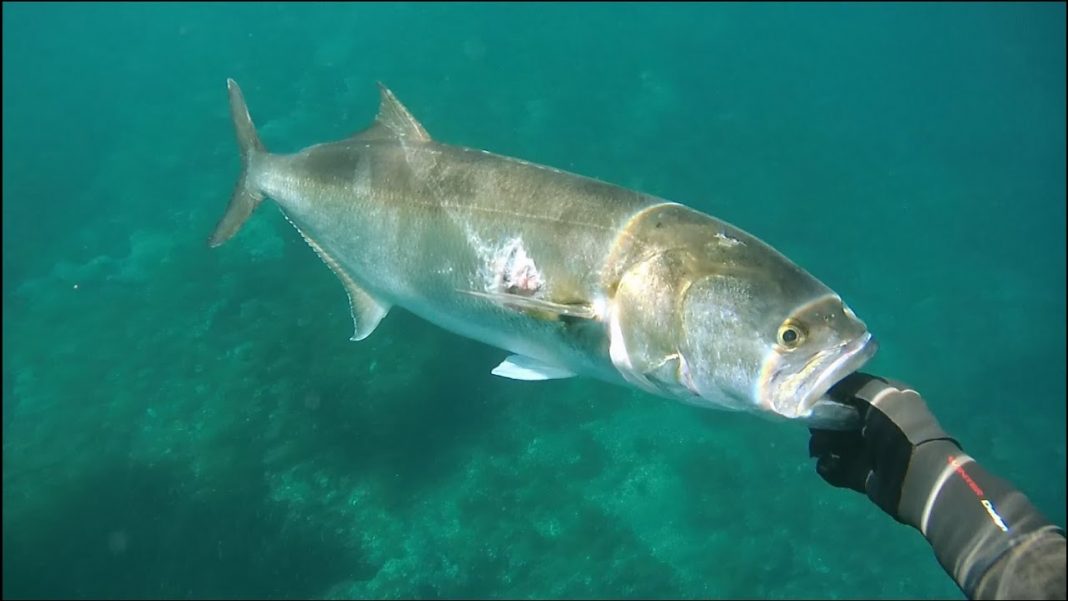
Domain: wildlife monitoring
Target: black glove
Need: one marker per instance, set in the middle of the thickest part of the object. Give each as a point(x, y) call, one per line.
point(897, 429)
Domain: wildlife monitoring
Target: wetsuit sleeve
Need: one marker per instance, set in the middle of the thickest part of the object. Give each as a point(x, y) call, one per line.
point(986, 534)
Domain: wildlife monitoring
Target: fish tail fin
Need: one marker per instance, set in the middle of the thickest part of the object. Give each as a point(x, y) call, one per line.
point(246, 197)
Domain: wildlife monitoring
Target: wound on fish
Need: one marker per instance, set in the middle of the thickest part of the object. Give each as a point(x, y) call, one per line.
point(514, 272)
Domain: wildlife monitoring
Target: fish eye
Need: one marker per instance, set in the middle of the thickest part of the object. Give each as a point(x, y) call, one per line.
point(791, 334)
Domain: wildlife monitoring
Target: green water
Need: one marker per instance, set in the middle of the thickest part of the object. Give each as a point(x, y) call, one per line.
point(189, 422)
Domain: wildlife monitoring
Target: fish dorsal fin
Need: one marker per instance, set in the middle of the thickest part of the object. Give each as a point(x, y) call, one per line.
point(393, 121)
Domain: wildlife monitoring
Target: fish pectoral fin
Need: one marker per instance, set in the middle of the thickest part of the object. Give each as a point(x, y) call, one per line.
point(537, 305)
point(367, 311)
point(521, 367)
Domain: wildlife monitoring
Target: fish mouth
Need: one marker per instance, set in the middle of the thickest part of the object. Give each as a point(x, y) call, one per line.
point(804, 395)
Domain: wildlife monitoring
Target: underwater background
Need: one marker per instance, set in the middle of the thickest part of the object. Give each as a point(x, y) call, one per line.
point(186, 422)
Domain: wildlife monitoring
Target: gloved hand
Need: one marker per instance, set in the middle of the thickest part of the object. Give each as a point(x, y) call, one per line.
point(897, 431)
point(985, 533)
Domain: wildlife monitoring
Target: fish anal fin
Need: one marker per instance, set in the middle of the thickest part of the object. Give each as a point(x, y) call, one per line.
point(367, 311)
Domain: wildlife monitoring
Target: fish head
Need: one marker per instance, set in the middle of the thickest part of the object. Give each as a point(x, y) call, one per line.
point(709, 315)
point(715, 317)
point(769, 338)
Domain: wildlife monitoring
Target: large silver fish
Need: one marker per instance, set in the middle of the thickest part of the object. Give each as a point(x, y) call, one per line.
point(571, 275)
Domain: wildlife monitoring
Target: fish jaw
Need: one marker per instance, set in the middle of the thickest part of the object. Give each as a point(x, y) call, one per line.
point(802, 394)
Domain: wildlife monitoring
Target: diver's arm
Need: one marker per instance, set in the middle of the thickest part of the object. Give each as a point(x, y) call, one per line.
point(985, 533)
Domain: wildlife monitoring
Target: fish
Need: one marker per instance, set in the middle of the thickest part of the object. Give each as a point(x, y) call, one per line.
point(567, 275)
